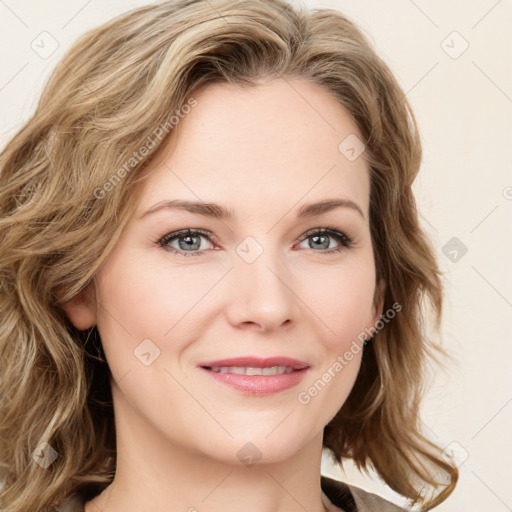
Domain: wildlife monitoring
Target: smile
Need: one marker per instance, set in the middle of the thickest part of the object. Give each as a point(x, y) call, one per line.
point(257, 376)
point(251, 370)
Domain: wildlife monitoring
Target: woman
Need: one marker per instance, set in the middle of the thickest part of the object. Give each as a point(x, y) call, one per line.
point(212, 270)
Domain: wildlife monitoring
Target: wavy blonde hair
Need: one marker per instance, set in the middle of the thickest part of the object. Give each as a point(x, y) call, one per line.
point(111, 91)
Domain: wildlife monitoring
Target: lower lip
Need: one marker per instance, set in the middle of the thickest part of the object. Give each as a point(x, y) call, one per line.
point(259, 385)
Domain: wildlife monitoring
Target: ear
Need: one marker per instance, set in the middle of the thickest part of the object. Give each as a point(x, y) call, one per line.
point(81, 309)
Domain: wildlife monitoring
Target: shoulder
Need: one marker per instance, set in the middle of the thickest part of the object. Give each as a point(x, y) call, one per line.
point(351, 498)
point(347, 497)
point(369, 502)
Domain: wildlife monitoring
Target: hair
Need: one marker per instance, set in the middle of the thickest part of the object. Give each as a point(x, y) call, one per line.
point(63, 207)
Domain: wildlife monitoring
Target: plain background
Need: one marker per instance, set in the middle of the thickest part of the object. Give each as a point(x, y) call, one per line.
point(453, 61)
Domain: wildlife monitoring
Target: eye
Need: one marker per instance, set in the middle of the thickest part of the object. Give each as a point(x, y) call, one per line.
point(319, 238)
point(188, 241)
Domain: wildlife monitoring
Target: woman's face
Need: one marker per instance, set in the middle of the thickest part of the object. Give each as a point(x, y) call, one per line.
point(249, 285)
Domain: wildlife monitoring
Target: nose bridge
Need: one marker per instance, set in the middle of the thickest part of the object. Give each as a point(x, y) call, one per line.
point(260, 290)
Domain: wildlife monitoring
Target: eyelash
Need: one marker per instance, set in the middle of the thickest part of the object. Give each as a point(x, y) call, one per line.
point(345, 241)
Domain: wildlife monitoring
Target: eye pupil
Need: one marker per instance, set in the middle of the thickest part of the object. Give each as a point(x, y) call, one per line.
point(324, 245)
point(189, 244)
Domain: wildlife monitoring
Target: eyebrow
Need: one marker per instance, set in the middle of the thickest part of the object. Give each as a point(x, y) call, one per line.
point(220, 212)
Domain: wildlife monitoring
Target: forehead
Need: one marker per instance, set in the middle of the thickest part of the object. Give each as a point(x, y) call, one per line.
point(278, 140)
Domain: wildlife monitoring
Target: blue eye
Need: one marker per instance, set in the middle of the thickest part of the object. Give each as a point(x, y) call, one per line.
point(321, 236)
point(189, 241)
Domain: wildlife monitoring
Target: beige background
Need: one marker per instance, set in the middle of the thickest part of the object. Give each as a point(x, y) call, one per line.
point(463, 102)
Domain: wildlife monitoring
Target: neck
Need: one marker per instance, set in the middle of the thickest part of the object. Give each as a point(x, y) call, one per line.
point(160, 474)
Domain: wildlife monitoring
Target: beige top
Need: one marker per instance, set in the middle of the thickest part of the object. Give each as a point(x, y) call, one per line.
point(337, 496)
point(340, 496)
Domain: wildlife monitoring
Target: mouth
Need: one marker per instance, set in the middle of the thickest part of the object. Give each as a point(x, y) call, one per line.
point(256, 376)
point(251, 370)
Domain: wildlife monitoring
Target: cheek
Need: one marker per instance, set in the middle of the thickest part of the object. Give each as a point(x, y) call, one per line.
point(344, 311)
point(344, 304)
point(138, 303)
point(343, 308)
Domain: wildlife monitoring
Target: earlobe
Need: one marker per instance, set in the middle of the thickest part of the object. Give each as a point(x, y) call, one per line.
point(81, 309)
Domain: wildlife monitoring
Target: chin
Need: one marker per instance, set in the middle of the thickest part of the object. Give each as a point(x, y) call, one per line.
point(248, 449)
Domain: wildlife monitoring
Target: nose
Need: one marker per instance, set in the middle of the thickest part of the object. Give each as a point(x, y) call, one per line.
point(261, 294)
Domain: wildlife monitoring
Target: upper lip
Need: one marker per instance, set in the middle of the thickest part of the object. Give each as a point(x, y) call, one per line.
point(257, 362)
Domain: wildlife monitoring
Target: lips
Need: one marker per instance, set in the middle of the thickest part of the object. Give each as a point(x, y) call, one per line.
point(256, 362)
point(257, 376)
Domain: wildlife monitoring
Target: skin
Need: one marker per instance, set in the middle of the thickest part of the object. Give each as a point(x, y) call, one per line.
point(262, 152)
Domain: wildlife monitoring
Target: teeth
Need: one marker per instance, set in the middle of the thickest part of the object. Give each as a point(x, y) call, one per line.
point(249, 370)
